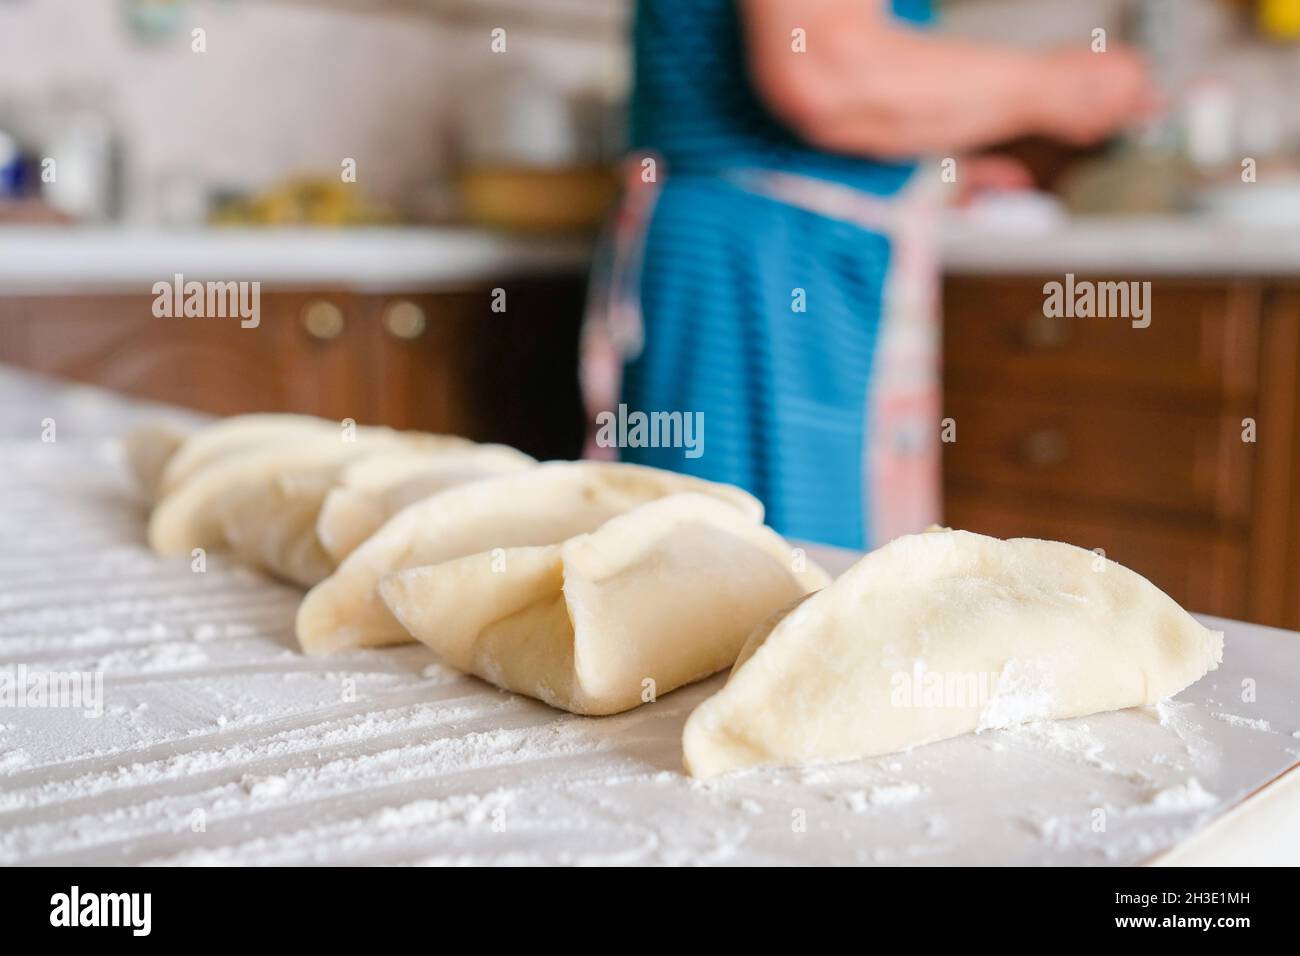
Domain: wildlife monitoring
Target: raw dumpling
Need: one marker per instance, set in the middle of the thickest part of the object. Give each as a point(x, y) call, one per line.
point(148, 448)
point(195, 512)
point(939, 634)
point(269, 521)
point(656, 598)
point(227, 438)
point(372, 490)
point(278, 522)
point(191, 515)
point(543, 505)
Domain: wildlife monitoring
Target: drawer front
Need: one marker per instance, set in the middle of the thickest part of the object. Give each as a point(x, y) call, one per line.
point(508, 377)
point(1202, 571)
point(1202, 340)
point(211, 364)
point(1191, 465)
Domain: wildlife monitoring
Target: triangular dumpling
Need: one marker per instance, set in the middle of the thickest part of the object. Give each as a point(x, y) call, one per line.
point(194, 513)
point(543, 505)
point(231, 489)
point(370, 491)
point(228, 436)
point(656, 598)
point(224, 439)
point(148, 448)
point(270, 522)
point(286, 520)
point(938, 634)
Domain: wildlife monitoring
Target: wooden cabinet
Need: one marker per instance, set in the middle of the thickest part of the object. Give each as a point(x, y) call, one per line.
point(1201, 347)
point(508, 376)
point(116, 341)
point(439, 361)
point(1135, 440)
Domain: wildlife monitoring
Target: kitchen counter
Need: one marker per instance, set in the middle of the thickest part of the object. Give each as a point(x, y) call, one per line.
point(220, 743)
point(1140, 247)
point(76, 260)
point(72, 260)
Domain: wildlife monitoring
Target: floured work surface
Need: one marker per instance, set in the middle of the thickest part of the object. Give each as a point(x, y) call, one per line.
point(220, 743)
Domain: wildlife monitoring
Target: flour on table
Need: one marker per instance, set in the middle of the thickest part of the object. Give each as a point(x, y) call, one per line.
point(264, 787)
point(885, 795)
point(1249, 723)
point(387, 756)
point(1068, 738)
point(13, 760)
point(1180, 798)
point(1022, 693)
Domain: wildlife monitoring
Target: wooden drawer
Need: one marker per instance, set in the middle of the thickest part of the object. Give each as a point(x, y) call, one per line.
point(212, 364)
point(1202, 571)
point(507, 377)
point(1202, 342)
point(1177, 463)
point(437, 361)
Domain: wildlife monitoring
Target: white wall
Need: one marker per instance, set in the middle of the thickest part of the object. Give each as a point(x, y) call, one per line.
point(282, 88)
point(296, 86)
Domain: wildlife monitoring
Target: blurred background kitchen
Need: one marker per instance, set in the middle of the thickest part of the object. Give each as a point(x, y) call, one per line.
point(477, 172)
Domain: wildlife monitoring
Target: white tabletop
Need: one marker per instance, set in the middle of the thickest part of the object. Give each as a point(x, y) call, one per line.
point(220, 743)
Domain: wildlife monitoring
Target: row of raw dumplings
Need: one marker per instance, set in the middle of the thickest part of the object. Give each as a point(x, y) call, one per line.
point(596, 587)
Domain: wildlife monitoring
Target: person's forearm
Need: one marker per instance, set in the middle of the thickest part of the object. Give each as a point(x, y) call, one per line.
point(925, 95)
point(868, 85)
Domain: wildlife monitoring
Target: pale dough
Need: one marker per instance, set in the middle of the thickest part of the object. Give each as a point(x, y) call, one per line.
point(372, 490)
point(257, 483)
point(299, 522)
point(543, 505)
point(223, 439)
point(195, 512)
point(940, 634)
point(148, 448)
point(656, 598)
point(231, 437)
point(270, 522)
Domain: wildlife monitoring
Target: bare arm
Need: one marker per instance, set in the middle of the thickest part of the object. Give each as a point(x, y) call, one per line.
point(869, 84)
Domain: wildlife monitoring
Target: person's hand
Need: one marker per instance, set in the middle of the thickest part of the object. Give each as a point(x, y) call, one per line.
point(1084, 97)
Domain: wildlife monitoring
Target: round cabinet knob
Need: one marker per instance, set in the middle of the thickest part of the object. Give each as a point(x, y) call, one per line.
point(323, 320)
point(1045, 448)
point(404, 320)
point(1046, 331)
